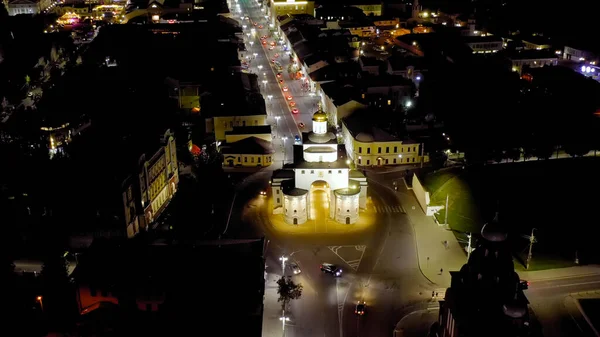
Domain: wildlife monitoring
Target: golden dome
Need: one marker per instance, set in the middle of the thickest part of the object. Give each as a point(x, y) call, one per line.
point(320, 116)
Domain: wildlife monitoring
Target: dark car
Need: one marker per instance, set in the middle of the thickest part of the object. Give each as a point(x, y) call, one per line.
point(361, 307)
point(331, 269)
point(297, 139)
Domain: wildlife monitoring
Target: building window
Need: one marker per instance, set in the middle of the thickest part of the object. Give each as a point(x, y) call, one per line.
point(368, 162)
point(277, 192)
point(359, 149)
point(413, 159)
point(395, 149)
point(255, 122)
point(245, 159)
point(329, 171)
point(340, 171)
point(415, 149)
point(359, 161)
point(394, 160)
point(303, 172)
point(231, 124)
point(387, 149)
point(368, 150)
point(387, 161)
point(259, 159)
point(239, 159)
point(278, 201)
point(378, 150)
point(408, 149)
point(252, 160)
point(312, 171)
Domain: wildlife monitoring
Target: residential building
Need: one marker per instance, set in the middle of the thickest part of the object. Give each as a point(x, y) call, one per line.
point(486, 296)
point(536, 43)
point(369, 7)
point(248, 152)
point(147, 193)
point(361, 29)
point(290, 7)
point(318, 176)
point(409, 67)
point(483, 44)
point(242, 132)
point(222, 124)
point(576, 53)
point(340, 101)
point(185, 93)
point(147, 287)
point(387, 90)
point(369, 145)
point(525, 59)
point(16, 7)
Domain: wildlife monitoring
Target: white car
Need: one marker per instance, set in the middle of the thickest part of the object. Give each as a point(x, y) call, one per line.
point(295, 268)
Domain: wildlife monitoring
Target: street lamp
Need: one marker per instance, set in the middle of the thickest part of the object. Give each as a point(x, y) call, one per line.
point(39, 299)
point(260, 66)
point(270, 97)
point(255, 54)
point(265, 83)
point(283, 259)
point(251, 43)
point(283, 319)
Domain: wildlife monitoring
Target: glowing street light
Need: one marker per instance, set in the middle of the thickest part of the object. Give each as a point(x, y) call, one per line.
point(251, 43)
point(255, 54)
point(260, 66)
point(270, 97)
point(39, 299)
point(265, 83)
point(283, 259)
point(408, 104)
point(283, 319)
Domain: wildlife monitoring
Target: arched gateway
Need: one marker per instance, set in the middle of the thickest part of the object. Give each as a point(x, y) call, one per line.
point(319, 185)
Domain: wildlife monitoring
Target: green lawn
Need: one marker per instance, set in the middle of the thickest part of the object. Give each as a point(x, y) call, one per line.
point(548, 195)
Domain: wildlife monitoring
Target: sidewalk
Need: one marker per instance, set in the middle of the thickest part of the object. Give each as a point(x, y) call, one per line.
point(551, 274)
point(433, 255)
point(573, 307)
point(417, 323)
point(272, 309)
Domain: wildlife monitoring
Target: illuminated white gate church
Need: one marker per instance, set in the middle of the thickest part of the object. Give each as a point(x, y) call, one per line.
point(319, 185)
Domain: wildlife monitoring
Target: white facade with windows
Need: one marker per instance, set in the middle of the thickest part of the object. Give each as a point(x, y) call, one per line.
point(322, 179)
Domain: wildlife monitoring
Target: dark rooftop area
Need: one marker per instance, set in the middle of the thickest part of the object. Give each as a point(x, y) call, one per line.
point(250, 145)
point(248, 130)
point(136, 268)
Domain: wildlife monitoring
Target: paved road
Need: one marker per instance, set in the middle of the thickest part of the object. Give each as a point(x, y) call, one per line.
point(553, 307)
point(285, 124)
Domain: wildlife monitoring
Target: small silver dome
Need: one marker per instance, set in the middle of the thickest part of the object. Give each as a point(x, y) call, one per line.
point(493, 232)
point(364, 137)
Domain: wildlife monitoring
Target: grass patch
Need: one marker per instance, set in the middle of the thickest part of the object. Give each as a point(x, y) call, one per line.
point(556, 197)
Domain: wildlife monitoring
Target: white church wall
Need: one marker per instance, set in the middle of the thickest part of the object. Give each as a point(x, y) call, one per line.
point(336, 178)
point(294, 209)
point(347, 208)
point(315, 157)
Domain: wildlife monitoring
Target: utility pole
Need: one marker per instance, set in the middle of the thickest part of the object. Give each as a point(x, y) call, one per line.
point(531, 241)
point(446, 215)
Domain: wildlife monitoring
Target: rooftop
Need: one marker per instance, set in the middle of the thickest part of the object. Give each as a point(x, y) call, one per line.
point(481, 39)
point(136, 267)
point(362, 128)
point(340, 93)
point(530, 54)
point(250, 145)
point(250, 130)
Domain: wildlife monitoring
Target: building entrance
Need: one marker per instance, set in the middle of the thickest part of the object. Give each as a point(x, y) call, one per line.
point(319, 197)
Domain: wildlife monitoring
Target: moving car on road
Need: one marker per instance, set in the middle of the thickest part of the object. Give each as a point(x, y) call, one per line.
point(331, 269)
point(295, 111)
point(300, 125)
point(292, 104)
point(361, 307)
point(297, 139)
point(295, 268)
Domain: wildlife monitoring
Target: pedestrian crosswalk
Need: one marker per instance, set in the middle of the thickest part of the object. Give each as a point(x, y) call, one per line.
point(388, 209)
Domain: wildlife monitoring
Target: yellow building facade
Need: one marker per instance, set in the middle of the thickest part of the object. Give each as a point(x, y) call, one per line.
point(284, 7)
point(220, 125)
point(248, 152)
point(367, 149)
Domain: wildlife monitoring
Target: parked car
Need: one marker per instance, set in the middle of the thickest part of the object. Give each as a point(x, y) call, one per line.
point(361, 307)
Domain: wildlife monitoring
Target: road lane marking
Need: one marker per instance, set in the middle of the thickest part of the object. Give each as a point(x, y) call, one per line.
point(354, 263)
point(565, 285)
